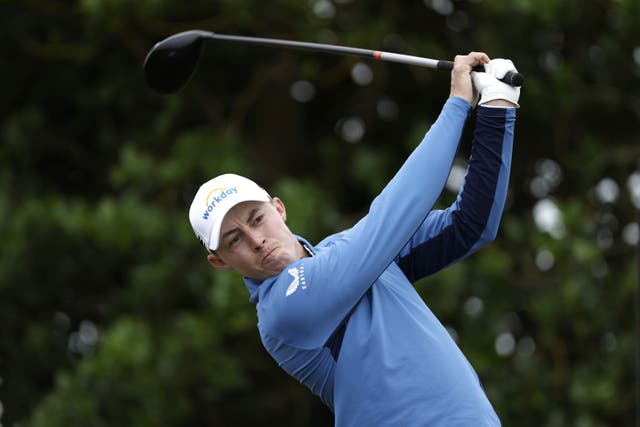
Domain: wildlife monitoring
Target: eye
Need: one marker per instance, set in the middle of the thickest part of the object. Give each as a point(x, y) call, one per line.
point(259, 219)
point(234, 240)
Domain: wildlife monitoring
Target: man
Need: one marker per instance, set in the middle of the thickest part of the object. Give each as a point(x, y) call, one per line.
point(342, 316)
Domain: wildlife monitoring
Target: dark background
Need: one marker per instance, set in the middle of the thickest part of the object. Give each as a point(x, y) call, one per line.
point(110, 314)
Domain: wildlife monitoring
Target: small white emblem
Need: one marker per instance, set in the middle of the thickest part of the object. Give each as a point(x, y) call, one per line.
point(298, 279)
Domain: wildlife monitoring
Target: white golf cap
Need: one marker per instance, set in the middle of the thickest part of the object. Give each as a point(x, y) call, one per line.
point(214, 199)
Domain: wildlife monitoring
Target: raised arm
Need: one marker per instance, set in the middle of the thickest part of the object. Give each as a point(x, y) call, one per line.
point(472, 220)
point(346, 266)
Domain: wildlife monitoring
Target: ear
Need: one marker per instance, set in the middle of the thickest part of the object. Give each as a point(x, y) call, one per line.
point(217, 262)
point(279, 205)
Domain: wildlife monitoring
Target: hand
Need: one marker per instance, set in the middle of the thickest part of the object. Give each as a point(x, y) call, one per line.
point(492, 91)
point(461, 84)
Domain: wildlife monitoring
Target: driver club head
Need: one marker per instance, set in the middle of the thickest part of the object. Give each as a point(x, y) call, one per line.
point(172, 61)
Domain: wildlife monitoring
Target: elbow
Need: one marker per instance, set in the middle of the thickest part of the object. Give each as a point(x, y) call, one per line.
point(489, 235)
point(473, 233)
point(476, 241)
point(490, 231)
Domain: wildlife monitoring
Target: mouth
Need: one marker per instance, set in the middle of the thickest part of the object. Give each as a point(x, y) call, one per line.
point(269, 255)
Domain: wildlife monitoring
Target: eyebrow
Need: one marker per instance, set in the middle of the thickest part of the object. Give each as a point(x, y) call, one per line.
point(252, 214)
point(235, 230)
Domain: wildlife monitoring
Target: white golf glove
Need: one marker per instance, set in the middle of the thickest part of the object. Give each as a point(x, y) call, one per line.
point(489, 87)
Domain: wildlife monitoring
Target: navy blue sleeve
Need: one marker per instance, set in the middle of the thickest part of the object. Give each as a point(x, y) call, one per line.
point(447, 236)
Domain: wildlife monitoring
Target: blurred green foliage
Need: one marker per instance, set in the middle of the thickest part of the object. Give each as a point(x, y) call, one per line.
point(111, 315)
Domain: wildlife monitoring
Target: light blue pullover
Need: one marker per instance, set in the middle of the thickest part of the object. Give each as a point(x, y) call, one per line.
point(347, 322)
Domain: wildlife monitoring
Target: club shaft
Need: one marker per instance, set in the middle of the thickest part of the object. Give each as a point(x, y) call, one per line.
point(512, 78)
point(342, 50)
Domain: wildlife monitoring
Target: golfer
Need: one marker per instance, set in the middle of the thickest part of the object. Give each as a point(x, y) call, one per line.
point(341, 316)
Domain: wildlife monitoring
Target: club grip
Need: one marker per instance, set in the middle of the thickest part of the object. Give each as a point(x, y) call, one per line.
point(512, 78)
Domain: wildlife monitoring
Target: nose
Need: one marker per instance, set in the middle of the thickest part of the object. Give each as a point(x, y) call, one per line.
point(257, 241)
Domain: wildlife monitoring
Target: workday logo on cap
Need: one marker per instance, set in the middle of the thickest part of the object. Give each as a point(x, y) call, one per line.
point(214, 199)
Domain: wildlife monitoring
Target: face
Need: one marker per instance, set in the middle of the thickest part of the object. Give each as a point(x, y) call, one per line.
point(255, 241)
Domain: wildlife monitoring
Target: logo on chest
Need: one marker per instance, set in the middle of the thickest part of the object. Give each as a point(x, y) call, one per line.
point(298, 279)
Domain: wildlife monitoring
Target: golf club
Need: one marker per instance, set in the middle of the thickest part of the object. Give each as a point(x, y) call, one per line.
point(172, 61)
